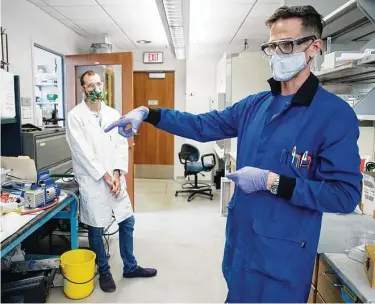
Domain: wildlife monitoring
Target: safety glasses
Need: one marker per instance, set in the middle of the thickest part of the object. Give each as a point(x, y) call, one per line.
point(93, 85)
point(284, 46)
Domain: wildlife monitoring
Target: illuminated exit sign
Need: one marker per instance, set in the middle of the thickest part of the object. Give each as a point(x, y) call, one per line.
point(152, 57)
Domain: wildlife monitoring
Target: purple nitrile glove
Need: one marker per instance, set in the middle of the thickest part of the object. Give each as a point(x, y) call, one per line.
point(134, 118)
point(250, 179)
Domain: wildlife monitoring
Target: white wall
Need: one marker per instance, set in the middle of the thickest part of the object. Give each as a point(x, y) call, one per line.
point(201, 92)
point(26, 24)
point(250, 73)
point(179, 67)
point(221, 75)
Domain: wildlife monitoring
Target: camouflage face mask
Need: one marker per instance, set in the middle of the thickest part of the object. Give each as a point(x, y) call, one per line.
point(95, 96)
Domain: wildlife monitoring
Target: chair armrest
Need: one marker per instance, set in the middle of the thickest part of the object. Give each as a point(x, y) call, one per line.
point(213, 164)
point(182, 160)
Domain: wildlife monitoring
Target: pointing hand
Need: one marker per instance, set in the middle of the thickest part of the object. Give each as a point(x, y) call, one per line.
point(133, 120)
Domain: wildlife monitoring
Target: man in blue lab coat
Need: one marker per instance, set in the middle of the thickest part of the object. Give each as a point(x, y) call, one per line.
point(297, 157)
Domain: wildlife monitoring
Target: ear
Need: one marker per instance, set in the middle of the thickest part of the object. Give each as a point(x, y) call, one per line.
point(315, 47)
point(83, 89)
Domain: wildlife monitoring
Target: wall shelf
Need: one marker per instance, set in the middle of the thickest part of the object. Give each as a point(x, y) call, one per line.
point(367, 60)
point(348, 73)
point(366, 117)
point(47, 103)
point(45, 85)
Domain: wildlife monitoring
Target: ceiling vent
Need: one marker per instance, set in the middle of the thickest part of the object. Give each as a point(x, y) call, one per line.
point(99, 48)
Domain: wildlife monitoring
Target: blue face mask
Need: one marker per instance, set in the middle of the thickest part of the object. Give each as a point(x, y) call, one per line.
point(285, 66)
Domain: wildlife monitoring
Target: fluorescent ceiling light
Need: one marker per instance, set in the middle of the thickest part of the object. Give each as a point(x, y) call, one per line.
point(173, 14)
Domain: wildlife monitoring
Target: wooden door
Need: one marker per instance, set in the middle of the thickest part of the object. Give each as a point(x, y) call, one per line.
point(126, 62)
point(154, 149)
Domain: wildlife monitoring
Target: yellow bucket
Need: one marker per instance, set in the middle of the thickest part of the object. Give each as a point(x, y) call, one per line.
point(78, 269)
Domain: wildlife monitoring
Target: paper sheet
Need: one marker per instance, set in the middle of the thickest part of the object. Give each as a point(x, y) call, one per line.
point(22, 167)
point(7, 98)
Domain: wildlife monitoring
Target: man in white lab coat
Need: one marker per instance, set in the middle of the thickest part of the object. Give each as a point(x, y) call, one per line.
point(100, 165)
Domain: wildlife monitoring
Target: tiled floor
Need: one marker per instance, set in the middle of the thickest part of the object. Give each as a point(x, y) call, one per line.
point(184, 241)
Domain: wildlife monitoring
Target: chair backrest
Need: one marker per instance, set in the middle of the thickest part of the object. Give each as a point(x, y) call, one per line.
point(189, 153)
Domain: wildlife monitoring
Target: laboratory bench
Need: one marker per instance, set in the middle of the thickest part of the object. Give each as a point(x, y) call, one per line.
point(334, 271)
point(17, 227)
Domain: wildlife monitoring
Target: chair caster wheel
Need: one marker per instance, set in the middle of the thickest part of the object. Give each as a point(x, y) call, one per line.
point(211, 197)
point(176, 194)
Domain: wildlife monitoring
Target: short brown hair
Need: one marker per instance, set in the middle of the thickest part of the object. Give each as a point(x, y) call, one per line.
point(311, 19)
point(90, 73)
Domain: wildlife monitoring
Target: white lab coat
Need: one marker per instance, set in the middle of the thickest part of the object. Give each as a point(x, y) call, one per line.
point(95, 153)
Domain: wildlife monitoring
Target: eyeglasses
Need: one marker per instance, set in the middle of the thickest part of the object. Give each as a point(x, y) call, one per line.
point(93, 85)
point(286, 46)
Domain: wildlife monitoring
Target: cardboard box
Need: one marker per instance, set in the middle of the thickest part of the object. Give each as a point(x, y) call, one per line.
point(368, 193)
point(368, 264)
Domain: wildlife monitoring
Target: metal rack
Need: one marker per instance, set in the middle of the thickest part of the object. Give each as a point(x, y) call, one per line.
point(352, 24)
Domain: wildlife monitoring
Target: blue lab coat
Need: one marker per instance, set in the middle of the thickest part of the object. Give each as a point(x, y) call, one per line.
point(271, 240)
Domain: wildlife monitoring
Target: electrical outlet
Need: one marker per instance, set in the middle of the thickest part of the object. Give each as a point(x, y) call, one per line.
point(26, 101)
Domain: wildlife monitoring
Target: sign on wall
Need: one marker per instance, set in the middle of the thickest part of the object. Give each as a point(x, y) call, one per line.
point(153, 57)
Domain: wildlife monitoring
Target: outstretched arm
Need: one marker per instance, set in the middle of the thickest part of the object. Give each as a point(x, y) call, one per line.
point(210, 126)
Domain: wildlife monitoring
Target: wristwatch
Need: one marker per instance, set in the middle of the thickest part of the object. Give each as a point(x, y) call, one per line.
point(275, 185)
point(117, 170)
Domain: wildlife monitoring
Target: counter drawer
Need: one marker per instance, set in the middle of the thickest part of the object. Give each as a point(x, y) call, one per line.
point(315, 272)
point(329, 285)
point(312, 295)
point(319, 298)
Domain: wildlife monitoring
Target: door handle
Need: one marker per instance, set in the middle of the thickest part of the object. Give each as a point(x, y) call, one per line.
point(327, 273)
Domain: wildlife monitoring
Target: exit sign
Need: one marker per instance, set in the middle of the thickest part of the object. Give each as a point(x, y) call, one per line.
point(152, 57)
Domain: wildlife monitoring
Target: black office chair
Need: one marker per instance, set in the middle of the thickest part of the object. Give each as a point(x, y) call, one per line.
point(189, 157)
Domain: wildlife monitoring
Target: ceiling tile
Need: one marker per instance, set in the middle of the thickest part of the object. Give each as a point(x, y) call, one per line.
point(92, 28)
point(70, 2)
point(68, 23)
point(82, 12)
point(278, 2)
point(81, 32)
point(111, 2)
point(74, 27)
point(242, 1)
point(53, 12)
point(140, 20)
point(39, 3)
point(213, 21)
point(121, 41)
point(264, 9)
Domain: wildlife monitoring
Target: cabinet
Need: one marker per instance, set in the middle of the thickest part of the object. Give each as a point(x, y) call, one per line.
point(328, 285)
point(312, 295)
point(319, 298)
